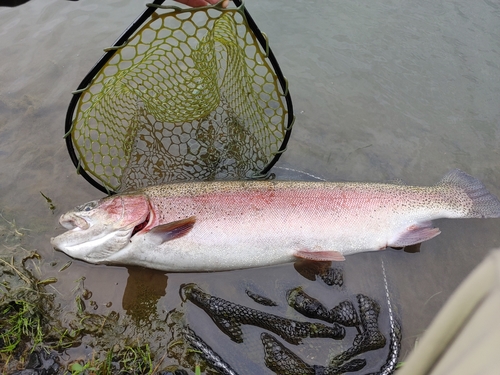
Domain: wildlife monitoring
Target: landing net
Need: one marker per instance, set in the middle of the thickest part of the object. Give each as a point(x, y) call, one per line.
point(185, 94)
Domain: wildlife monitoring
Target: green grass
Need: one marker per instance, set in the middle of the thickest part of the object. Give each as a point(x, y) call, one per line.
point(31, 320)
point(20, 320)
point(26, 312)
point(129, 360)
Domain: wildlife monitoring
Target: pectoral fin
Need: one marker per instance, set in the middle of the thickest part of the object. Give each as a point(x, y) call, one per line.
point(171, 231)
point(321, 256)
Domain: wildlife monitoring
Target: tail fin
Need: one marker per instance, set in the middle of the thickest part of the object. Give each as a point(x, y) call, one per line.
point(484, 204)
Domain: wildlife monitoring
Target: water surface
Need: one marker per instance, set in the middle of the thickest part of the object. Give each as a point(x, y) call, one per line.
point(383, 90)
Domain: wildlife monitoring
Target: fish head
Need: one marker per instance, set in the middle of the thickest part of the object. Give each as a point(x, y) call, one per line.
point(100, 228)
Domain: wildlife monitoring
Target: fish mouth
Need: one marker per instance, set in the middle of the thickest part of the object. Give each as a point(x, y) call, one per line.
point(72, 222)
point(97, 235)
point(76, 223)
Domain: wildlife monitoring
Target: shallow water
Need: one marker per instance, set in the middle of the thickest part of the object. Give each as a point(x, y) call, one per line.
point(382, 90)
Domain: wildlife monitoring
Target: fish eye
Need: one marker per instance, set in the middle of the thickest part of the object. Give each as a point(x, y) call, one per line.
point(87, 206)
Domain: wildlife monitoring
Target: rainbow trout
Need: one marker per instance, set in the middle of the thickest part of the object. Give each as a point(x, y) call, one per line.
point(225, 225)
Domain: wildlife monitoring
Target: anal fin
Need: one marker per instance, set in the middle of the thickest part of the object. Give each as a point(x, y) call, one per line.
point(415, 234)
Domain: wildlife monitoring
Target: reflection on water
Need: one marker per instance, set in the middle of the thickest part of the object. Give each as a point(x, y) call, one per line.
point(144, 289)
point(382, 89)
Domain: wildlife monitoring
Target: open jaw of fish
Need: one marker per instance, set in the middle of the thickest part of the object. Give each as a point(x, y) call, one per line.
point(224, 225)
point(100, 228)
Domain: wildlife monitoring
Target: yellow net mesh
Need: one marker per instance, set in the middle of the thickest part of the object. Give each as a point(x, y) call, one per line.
point(190, 96)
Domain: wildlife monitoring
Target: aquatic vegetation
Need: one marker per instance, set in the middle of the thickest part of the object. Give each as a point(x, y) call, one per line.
point(20, 319)
point(283, 361)
point(261, 300)
point(41, 362)
point(51, 205)
point(25, 311)
point(371, 338)
point(129, 360)
point(31, 326)
point(137, 358)
point(23, 303)
point(77, 369)
point(212, 358)
point(344, 313)
point(229, 317)
point(392, 363)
